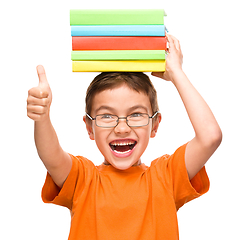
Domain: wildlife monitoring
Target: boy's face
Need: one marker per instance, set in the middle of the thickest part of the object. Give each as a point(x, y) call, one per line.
point(122, 146)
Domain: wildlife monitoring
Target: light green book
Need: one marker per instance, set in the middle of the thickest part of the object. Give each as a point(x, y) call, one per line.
point(117, 16)
point(119, 55)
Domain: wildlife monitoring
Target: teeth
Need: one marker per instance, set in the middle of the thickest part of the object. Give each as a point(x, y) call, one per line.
point(122, 152)
point(122, 143)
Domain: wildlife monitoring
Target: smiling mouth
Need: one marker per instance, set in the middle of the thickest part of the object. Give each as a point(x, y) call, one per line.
point(122, 146)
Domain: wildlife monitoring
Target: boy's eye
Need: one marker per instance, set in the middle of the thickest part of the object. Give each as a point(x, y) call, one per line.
point(106, 116)
point(136, 115)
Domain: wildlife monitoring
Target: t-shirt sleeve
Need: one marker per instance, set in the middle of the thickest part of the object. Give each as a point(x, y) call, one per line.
point(174, 174)
point(80, 173)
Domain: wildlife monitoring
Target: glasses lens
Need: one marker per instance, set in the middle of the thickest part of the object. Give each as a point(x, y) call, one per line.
point(138, 120)
point(106, 120)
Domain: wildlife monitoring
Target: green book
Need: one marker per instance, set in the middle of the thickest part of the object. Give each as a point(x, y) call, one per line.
point(117, 16)
point(119, 55)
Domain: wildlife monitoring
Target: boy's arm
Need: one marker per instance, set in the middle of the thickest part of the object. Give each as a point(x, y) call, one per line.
point(57, 162)
point(208, 135)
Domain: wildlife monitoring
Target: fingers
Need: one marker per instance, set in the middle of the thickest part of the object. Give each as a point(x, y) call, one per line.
point(38, 92)
point(37, 112)
point(35, 116)
point(174, 49)
point(39, 98)
point(38, 104)
point(43, 90)
point(158, 74)
point(31, 100)
point(173, 42)
point(42, 75)
point(174, 59)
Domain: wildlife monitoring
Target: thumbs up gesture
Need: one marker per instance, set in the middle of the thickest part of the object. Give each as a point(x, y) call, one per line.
point(39, 98)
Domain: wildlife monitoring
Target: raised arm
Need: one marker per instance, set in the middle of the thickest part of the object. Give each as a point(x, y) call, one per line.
point(57, 162)
point(208, 135)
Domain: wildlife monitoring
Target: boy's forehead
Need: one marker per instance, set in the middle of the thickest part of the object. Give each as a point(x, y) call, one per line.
point(121, 97)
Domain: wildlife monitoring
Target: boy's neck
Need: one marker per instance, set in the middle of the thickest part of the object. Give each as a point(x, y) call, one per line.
point(134, 165)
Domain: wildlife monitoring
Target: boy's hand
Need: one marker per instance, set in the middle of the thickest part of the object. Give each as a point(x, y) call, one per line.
point(174, 60)
point(39, 98)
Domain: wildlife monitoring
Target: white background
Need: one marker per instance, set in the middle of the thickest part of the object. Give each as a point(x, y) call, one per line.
point(38, 32)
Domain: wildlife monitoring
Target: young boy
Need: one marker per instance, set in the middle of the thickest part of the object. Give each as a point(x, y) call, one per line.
point(123, 199)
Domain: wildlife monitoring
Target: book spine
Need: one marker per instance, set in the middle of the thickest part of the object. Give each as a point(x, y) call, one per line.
point(119, 66)
point(117, 17)
point(119, 55)
point(118, 30)
point(119, 43)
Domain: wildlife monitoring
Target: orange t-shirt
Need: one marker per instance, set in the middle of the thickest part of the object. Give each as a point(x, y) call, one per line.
point(139, 203)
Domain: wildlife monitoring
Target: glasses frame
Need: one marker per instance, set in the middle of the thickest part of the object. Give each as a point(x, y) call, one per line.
point(117, 121)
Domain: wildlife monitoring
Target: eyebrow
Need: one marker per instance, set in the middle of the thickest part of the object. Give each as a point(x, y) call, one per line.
point(104, 107)
point(138, 107)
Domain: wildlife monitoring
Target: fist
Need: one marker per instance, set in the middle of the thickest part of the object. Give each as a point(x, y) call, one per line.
point(174, 60)
point(39, 98)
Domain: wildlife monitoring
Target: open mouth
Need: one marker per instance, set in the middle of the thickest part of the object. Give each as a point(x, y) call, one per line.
point(122, 146)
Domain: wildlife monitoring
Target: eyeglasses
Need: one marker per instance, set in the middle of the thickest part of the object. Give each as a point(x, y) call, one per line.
point(133, 120)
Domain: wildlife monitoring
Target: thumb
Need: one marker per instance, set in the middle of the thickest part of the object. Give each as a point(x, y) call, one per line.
point(42, 76)
point(158, 74)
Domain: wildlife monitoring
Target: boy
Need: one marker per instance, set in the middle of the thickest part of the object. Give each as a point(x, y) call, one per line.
point(123, 198)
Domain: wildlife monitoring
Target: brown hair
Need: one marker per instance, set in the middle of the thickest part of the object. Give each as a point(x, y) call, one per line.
point(137, 81)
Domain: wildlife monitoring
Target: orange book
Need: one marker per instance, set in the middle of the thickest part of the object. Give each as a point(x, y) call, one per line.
point(119, 43)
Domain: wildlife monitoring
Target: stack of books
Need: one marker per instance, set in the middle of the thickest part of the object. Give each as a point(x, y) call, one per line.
point(118, 40)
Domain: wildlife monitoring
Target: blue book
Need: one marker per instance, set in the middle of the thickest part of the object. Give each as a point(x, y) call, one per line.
point(118, 30)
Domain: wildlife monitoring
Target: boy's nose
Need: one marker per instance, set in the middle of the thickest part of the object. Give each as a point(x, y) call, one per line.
point(122, 127)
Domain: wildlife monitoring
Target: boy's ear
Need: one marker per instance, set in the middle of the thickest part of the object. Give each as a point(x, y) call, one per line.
point(89, 128)
point(156, 125)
